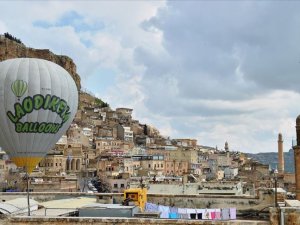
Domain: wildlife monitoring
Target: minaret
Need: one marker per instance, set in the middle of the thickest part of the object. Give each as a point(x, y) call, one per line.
point(280, 154)
point(297, 159)
point(226, 146)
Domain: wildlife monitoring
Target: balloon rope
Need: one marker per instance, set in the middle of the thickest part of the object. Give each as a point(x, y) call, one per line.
point(28, 203)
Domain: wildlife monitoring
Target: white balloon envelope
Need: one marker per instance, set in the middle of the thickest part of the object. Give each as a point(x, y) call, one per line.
point(38, 101)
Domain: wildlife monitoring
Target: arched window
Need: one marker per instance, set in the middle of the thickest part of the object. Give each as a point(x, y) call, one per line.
point(73, 164)
point(67, 164)
point(78, 164)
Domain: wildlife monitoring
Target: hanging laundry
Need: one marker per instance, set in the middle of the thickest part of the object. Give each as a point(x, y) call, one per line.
point(151, 207)
point(173, 209)
point(164, 211)
point(183, 213)
point(192, 213)
point(173, 215)
point(200, 213)
point(218, 214)
point(225, 214)
point(213, 215)
point(232, 212)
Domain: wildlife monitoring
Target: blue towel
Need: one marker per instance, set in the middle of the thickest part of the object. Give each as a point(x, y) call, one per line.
point(173, 216)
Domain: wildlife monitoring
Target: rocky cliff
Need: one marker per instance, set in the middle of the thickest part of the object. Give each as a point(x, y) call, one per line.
point(11, 49)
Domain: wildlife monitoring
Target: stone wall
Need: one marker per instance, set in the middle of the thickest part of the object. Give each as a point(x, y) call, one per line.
point(242, 203)
point(206, 201)
point(63, 185)
point(10, 49)
point(119, 221)
point(288, 215)
point(225, 188)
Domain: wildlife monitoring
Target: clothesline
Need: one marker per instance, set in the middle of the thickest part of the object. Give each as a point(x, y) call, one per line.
point(172, 212)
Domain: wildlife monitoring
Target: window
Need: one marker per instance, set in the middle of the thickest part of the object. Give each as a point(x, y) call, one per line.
point(122, 185)
point(55, 164)
point(115, 185)
point(149, 166)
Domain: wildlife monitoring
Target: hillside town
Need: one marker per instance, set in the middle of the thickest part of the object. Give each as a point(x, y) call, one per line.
point(116, 152)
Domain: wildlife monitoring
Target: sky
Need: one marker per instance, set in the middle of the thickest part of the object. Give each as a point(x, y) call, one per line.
point(214, 71)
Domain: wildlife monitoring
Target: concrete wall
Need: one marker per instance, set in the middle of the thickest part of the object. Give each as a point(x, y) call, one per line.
point(119, 221)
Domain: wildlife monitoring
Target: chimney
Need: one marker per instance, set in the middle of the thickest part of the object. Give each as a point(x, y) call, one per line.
point(280, 154)
point(297, 159)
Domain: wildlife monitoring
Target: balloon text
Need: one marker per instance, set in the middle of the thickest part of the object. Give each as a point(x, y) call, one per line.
point(29, 127)
point(38, 102)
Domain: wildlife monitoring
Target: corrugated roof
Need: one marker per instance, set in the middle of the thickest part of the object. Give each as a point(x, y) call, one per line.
point(18, 205)
point(69, 202)
point(108, 206)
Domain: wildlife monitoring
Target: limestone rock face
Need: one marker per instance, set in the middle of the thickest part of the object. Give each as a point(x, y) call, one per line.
point(10, 49)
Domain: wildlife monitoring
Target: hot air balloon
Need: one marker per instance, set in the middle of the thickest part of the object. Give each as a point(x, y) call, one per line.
point(38, 101)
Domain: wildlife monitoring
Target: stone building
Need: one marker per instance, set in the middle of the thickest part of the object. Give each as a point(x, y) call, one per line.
point(112, 145)
point(105, 131)
point(185, 155)
point(159, 150)
point(176, 167)
point(4, 169)
point(74, 158)
point(54, 163)
point(191, 143)
point(124, 133)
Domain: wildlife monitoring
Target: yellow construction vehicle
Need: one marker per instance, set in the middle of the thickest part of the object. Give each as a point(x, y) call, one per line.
point(136, 195)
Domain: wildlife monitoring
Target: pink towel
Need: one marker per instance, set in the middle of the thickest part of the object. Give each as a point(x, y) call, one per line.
point(213, 215)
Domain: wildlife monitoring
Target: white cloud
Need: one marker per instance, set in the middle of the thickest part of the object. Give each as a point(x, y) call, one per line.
point(3, 28)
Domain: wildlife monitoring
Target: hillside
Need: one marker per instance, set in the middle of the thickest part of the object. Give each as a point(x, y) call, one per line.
point(271, 158)
point(89, 100)
point(11, 47)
